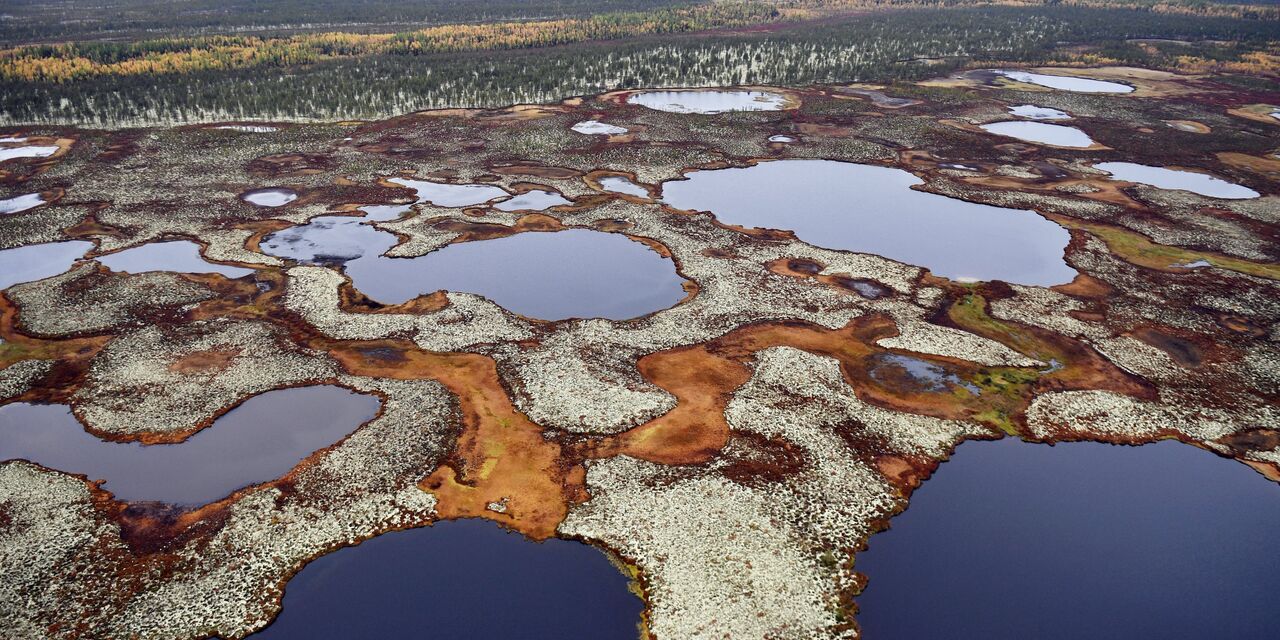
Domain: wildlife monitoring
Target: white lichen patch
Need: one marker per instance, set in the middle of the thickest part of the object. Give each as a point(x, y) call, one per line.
point(18, 377)
point(137, 385)
point(83, 300)
point(468, 320)
point(924, 337)
point(1093, 414)
point(725, 558)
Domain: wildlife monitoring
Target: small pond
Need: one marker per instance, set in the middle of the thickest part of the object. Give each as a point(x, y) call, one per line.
point(1038, 113)
point(576, 273)
point(709, 101)
point(258, 441)
point(462, 580)
point(619, 184)
point(270, 197)
point(1078, 540)
point(39, 261)
point(781, 138)
point(180, 256)
point(592, 127)
point(1067, 83)
point(1160, 177)
point(1041, 133)
point(872, 209)
point(21, 203)
point(29, 151)
point(452, 195)
point(536, 200)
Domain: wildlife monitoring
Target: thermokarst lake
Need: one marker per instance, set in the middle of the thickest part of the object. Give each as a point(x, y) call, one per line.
point(1042, 133)
point(1067, 83)
point(708, 101)
point(576, 273)
point(841, 205)
point(542, 320)
point(1203, 184)
point(1169, 525)
point(265, 436)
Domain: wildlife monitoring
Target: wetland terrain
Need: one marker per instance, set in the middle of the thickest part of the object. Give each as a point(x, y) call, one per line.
point(654, 361)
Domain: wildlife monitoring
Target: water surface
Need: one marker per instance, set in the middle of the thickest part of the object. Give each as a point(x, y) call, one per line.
point(871, 209)
point(1079, 540)
point(781, 138)
point(452, 195)
point(1068, 83)
point(270, 197)
point(709, 101)
point(462, 580)
point(592, 127)
point(259, 440)
point(39, 261)
point(576, 273)
point(1041, 133)
point(1201, 183)
point(1038, 113)
point(181, 256)
point(536, 200)
point(619, 184)
point(30, 151)
point(21, 203)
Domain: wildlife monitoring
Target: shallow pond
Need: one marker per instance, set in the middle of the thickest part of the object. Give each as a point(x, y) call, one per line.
point(21, 203)
point(871, 209)
point(30, 151)
point(259, 440)
point(247, 128)
point(709, 101)
point(592, 127)
point(328, 240)
point(536, 200)
point(619, 184)
point(1068, 83)
point(1201, 183)
point(39, 261)
point(1078, 540)
point(576, 273)
point(781, 138)
point(270, 197)
point(1041, 133)
point(180, 256)
point(452, 195)
point(887, 368)
point(1038, 113)
point(463, 580)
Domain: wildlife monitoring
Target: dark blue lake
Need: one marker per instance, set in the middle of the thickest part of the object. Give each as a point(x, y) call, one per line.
point(1079, 540)
point(461, 580)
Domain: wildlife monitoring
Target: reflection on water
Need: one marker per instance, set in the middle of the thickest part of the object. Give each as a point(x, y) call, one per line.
point(840, 205)
point(182, 256)
point(1038, 113)
point(708, 101)
point(535, 200)
point(1078, 540)
point(1203, 184)
point(270, 197)
point(1041, 133)
point(257, 441)
point(30, 151)
point(462, 580)
point(452, 195)
point(619, 184)
point(592, 127)
point(39, 261)
point(21, 203)
point(1067, 83)
point(551, 276)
